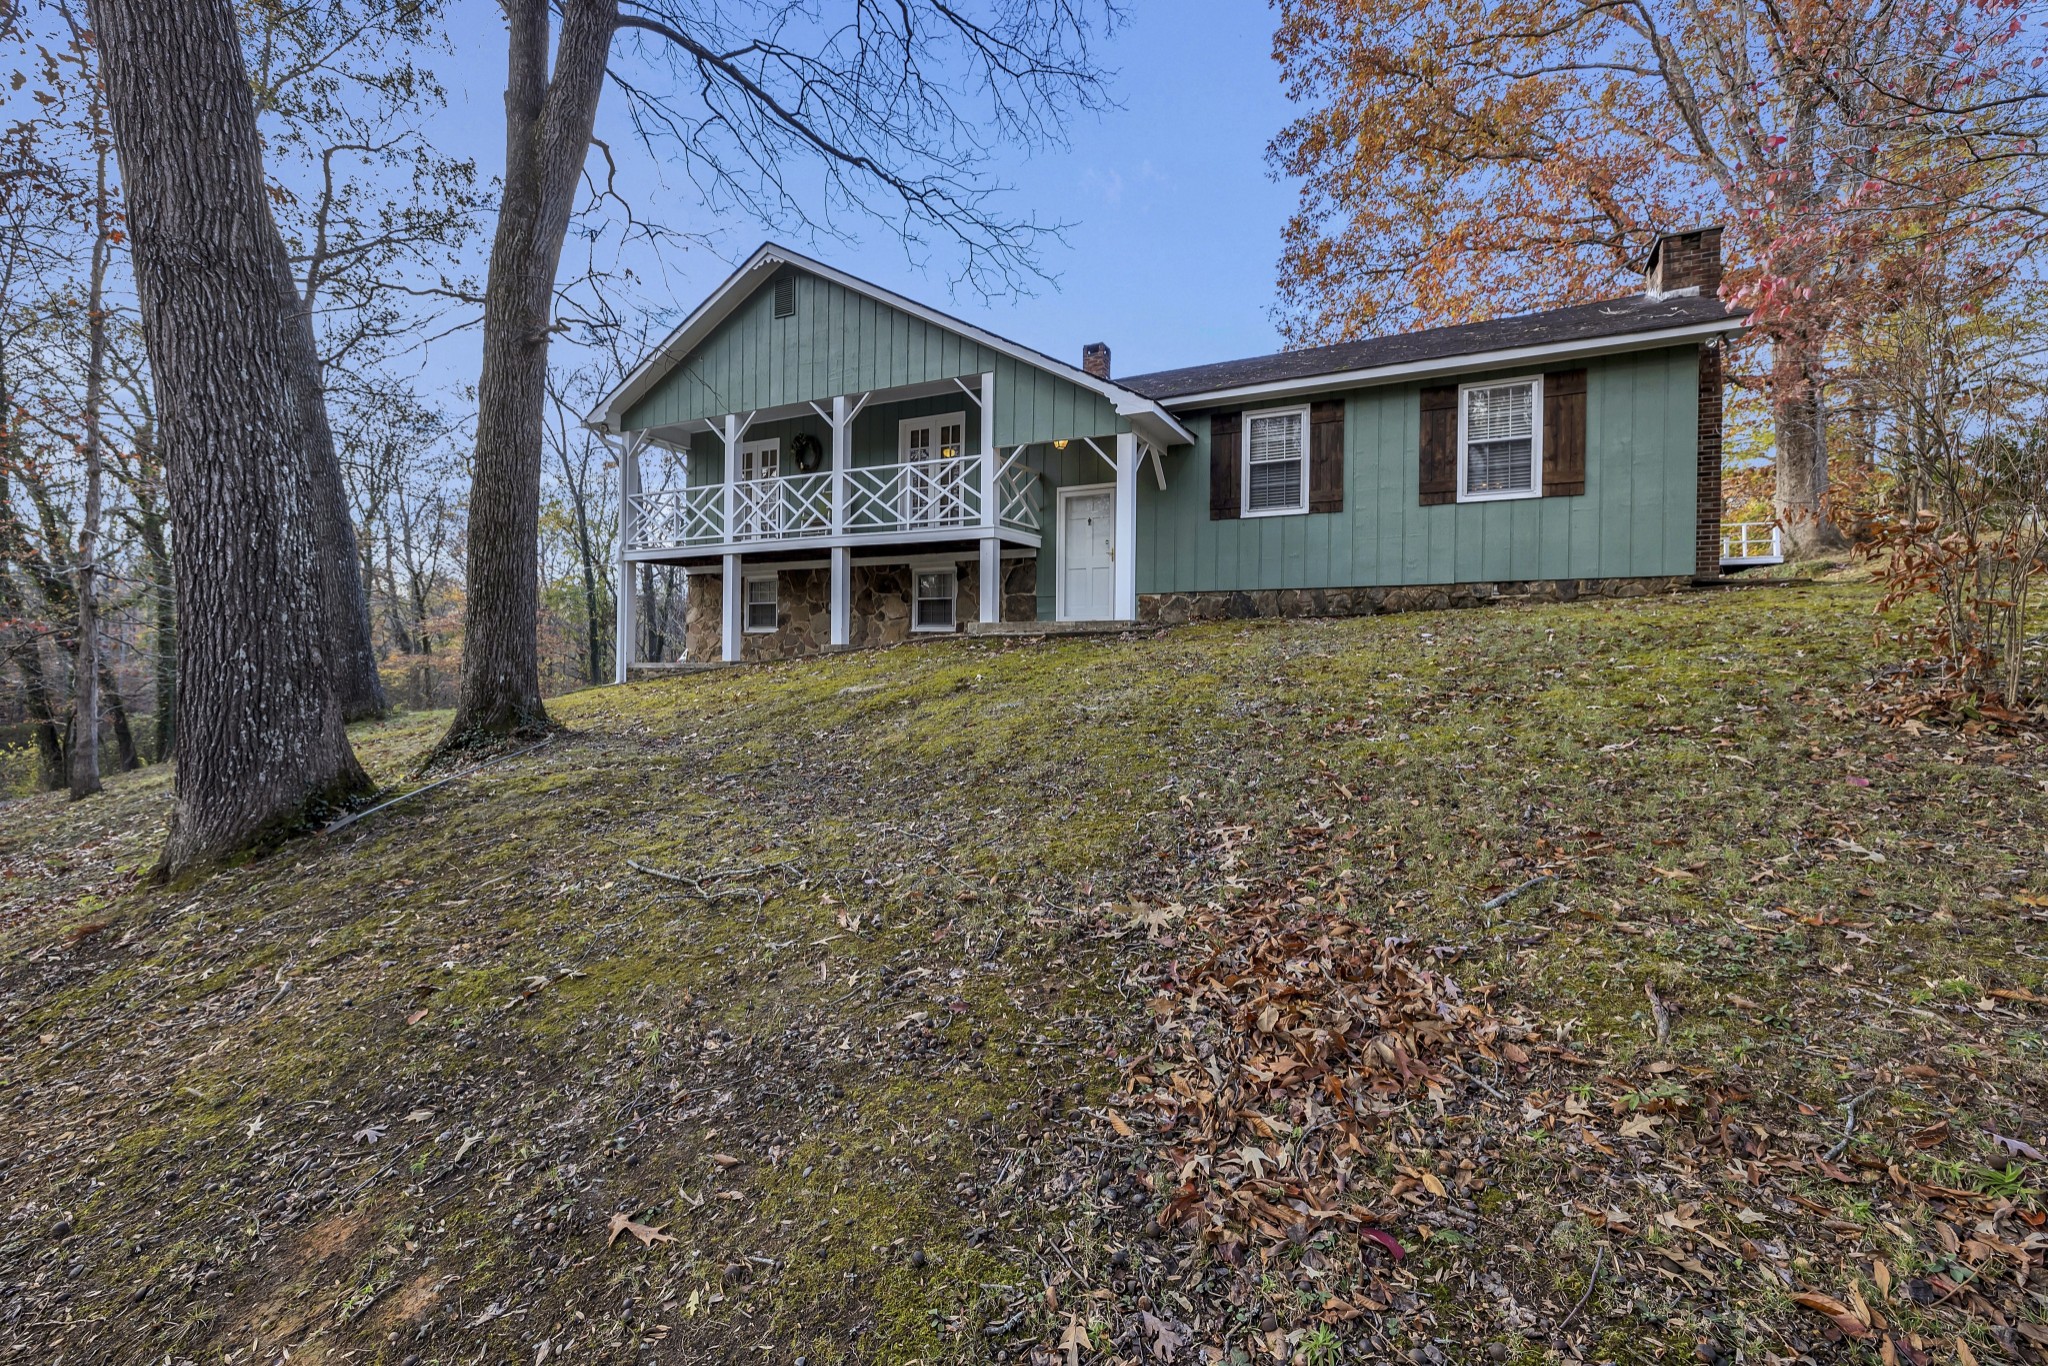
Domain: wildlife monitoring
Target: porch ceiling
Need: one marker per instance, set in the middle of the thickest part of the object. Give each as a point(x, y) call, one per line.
point(670, 433)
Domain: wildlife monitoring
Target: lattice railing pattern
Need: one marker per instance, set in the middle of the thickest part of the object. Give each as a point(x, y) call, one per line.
point(920, 495)
point(677, 517)
point(791, 507)
point(912, 496)
point(1018, 494)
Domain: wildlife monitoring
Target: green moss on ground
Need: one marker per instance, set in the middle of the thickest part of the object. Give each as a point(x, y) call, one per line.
point(381, 1092)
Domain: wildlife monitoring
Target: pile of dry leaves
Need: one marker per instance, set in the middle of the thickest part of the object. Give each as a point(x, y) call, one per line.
point(1320, 1101)
point(1289, 1040)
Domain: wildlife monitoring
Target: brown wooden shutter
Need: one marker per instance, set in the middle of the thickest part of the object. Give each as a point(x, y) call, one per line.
point(1326, 456)
point(1439, 471)
point(1225, 456)
point(1564, 434)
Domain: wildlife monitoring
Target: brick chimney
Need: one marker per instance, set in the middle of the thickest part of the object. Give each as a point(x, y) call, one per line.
point(1684, 263)
point(1095, 359)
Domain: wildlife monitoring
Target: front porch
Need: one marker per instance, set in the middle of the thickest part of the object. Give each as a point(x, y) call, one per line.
point(769, 509)
point(802, 424)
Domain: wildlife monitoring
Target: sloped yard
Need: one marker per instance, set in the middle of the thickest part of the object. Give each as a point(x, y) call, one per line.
point(830, 1012)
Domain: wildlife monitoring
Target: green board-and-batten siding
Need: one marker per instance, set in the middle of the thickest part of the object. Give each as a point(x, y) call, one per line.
point(1636, 518)
point(840, 341)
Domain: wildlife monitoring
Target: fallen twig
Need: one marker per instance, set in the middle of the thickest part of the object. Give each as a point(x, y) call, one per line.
point(352, 817)
point(1599, 1256)
point(708, 893)
point(1849, 1127)
point(1658, 1013)
point(1480, 1082)
point(1505, 897)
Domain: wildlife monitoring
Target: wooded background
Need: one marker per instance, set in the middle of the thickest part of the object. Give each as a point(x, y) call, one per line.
point(1877, 169)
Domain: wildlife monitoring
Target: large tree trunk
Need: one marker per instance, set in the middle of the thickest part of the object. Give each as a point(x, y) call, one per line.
point(260, 735)
point(547, 137)
point(126, 757)
point(86, 668)
point(351, 650)
point(1800, 464)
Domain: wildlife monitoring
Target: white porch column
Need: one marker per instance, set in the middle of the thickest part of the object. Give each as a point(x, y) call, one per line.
point(626, 629)
point(1125, 547)
point(991, 510)
point(732, 474)
point(991, 506)
point(991, 578)
point(732, 608)
point(842, 595)
point(842, 456)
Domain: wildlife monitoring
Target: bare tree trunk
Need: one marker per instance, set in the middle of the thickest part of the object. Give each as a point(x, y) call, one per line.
point(156, 553)
point(23, 647)
point(126, 757)
point(86, 670)
point(260, 733)
point(547, 137)
point(1800, 464)
point(351, 652)
point(27, 655)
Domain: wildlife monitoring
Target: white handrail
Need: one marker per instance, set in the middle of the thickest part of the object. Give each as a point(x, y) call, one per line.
point(1752, 541)
point(918, 495)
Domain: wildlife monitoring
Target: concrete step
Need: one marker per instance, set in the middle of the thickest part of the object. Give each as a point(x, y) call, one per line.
point(1034, 629)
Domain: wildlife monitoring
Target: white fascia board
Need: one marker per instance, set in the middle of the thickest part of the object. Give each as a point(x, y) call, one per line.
point(1460, 364)
point(714, 310)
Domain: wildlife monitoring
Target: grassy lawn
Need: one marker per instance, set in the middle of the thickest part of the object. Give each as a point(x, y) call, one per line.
point(384, 1095)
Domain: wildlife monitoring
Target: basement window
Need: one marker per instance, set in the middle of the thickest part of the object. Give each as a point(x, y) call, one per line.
point(936, 590)
point(763, 603)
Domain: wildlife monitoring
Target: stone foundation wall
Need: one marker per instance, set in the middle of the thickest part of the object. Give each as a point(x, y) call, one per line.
point(1172, 608)
point(881, 608)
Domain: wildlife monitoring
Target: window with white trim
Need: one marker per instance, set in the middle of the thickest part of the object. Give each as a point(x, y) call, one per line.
point(933, 596)
point(1276, 462)
point(763, 601)
point(1500, 440)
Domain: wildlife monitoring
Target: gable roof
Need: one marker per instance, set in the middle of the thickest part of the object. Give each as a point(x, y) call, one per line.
point(1581, 329)
point(1147, 417)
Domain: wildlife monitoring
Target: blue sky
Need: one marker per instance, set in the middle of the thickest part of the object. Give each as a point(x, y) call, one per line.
point(1174, 223)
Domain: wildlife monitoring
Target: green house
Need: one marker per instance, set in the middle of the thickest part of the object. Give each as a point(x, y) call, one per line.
point(832, 464)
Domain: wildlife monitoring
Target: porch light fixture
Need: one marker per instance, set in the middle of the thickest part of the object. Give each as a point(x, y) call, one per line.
point(1060, 444)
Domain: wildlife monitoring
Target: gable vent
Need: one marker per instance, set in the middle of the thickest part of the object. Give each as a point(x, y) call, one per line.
point(785, 297)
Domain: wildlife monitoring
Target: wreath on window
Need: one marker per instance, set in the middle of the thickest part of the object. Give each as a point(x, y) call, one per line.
point(807, 451)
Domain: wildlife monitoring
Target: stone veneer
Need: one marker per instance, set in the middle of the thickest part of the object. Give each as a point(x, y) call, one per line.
point(1172, 608)
point(881, 608)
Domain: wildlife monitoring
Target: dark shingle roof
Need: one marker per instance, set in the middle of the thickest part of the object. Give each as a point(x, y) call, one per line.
point(1580, 322)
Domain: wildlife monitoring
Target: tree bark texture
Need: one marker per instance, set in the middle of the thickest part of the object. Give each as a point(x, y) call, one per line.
point(351, 650)
point(87, 668)
point(260, 738)
point(547, 137)
point(1800, 461)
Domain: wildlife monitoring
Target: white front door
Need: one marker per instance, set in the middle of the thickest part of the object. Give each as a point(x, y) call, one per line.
point(1087, 561)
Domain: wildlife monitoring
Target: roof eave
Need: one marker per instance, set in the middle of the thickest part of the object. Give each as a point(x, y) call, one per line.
point(1464, 361)
point(1166, 428)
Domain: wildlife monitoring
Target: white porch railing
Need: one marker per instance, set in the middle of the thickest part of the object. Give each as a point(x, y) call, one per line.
point(1751, 543)
point(1018, 495)
point(922, 495)
point(914, 495)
